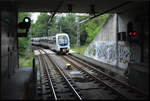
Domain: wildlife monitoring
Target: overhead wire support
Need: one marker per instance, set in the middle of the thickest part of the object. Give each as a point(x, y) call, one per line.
point(96, 15)
point(53, 14)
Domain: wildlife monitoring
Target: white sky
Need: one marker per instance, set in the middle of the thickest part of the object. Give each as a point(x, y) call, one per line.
point(34, 15)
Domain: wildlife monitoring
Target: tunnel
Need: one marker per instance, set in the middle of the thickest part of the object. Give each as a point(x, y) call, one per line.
point(121, 48)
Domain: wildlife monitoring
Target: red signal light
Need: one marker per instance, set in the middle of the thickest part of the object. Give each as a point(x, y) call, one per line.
point(134, 33)
point(130, 33)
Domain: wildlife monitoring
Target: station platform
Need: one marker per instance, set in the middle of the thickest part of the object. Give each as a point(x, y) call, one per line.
point(17, 89)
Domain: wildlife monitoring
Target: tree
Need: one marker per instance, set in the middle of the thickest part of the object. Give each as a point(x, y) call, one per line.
point(68, 25)
point(53, 27)
point(42, 27)
point(94, 26)
point(42, 24)
point(21, 16)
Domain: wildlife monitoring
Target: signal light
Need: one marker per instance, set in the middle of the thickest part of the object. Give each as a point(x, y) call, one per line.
point(132, 36)
point(134, 33)
point(25, 24)
point(130, 33)
point(26, 19)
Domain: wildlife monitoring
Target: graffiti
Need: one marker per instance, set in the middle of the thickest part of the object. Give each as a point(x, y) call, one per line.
point(101, 50)
point(111, 53)
point(123, 53)
point(106, 52)
point(132, 56)
point(91, 50)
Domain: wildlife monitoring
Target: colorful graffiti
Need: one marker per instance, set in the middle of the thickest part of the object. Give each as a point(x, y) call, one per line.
point(106, 52)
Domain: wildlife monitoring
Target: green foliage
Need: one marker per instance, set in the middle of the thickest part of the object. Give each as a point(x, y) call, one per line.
point(69, 25)
point(75, 50)
point(65, 24)
point(41, 27)
point(94, 26)
point(82, 49)
point(25, 62)
point(25, 57)
point(21, 16)
point(52, 29)
point(89, 30)
point(23, 44)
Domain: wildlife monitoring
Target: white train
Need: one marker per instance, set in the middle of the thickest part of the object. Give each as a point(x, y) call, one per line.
point(59, 43)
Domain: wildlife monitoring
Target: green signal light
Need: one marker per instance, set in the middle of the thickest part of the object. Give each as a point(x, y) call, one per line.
point(26, 20)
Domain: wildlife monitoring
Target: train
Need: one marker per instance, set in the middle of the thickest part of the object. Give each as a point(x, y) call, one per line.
point(59, 43)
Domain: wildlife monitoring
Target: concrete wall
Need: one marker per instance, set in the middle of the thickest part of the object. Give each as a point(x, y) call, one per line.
point(108, 32)
point(103, 47)
point(9, 45)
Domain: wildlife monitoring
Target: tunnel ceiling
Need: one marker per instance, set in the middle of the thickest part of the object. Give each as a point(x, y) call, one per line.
point(78, 6)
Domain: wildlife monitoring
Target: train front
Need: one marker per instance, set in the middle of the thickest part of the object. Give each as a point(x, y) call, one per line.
point(63, 44)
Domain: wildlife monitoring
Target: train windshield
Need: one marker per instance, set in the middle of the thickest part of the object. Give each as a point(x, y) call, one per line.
point(62, 40)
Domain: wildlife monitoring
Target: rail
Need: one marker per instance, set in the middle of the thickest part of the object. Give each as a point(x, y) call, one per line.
point(126, 91)
point(63, 75)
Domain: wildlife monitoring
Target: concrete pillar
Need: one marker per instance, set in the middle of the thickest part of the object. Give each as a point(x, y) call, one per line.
point(116, 40)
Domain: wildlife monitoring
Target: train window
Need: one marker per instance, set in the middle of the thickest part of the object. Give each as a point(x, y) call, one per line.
point(62, 40)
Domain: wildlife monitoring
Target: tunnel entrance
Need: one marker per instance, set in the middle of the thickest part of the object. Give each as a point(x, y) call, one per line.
point(105, 42)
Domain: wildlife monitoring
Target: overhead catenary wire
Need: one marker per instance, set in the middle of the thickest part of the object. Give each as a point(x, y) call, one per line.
point(106, 11)
point(57, 8)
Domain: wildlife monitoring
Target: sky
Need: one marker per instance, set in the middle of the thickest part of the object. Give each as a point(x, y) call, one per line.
point(35, 15)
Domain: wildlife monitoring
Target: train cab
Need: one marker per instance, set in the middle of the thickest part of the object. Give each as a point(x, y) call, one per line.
point(62, 41)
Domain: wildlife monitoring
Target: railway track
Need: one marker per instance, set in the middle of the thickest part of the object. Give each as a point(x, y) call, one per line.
point(114, 86)
point(59, 85)
point(55, 84)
